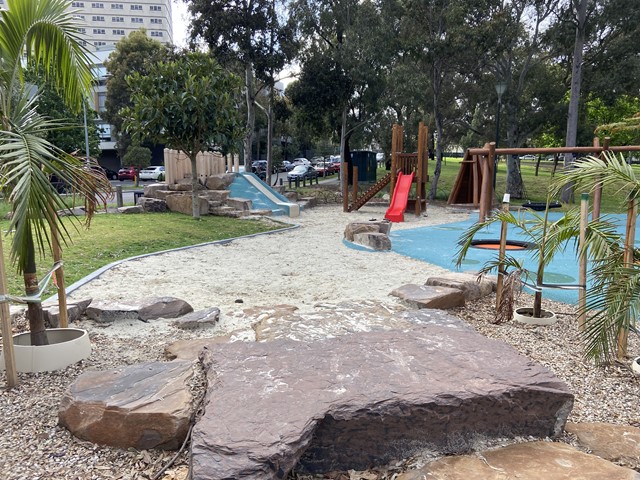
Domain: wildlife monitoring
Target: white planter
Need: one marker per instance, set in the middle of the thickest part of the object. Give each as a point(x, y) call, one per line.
point(525, 315)
point(66, 346)
point(635, 366)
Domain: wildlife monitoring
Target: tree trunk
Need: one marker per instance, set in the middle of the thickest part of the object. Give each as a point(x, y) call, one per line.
point(34, 309)
point(439, 153)
point(250, 97)
point(195, 204)
point(574, 99)
point(515, 185)
point(270, 138)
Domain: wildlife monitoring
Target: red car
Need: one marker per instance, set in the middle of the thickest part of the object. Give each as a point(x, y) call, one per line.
point(128, 173)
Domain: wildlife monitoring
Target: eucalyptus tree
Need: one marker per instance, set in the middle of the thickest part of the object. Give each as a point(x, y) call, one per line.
point(345, 64)
point(253, 37)
point(189, 104)
point(42, 33)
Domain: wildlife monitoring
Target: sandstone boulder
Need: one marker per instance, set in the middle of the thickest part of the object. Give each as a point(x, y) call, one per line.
point(152, 205)
point(131, 209)
point(183, 203)
point(151, 189)
point(75, 311)
point(148, 309)
point(364, 399)
point(215, 195)
point(425, 296)
point(353, 228)
point(523, 461)
point(219, 181)
point(616, 443)
point(202, 318)
point(106, 311)
point(374, 240)
point(239, 203)
point(467, 282)
point(139, 406)
point(163, 194)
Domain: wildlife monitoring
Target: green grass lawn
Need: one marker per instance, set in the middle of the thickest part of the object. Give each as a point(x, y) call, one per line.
point(116, 237)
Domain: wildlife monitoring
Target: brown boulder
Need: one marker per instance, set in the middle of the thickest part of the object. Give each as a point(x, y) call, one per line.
point(202, 318)
point(374, 226)
point(358, 400)
point(130, 210)
point(616, 443)
point(139, 406)
point(219, 181)
point(375, 240)
point(152, 205)
point(164, 307)
point(425, 296)
point(467, 282)
point(75, 310)
point(523, 461)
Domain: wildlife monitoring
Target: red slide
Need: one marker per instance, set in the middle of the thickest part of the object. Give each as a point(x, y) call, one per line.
point(395, 213)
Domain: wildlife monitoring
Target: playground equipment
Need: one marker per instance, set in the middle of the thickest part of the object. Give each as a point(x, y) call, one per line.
point(396, 210)
point(411, 167)
point(474, 183)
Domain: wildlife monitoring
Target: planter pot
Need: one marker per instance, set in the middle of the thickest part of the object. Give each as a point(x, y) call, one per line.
point(66, 346)
point(525, 315)
point(635, 366)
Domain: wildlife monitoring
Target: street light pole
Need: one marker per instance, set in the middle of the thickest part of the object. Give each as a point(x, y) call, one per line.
point(501, 87)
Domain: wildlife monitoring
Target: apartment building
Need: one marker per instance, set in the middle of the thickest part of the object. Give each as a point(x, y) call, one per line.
point(104, 23)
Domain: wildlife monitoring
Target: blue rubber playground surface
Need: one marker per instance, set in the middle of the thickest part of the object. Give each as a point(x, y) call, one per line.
point(438, 244)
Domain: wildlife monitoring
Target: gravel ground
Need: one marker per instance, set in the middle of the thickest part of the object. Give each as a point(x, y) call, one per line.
point(34, 447)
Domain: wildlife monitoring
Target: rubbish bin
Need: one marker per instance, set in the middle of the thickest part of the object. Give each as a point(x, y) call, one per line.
point(366, 162)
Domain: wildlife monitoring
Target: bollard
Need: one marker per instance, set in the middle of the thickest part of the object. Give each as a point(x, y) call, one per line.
point(281, 183)
point(119, 201)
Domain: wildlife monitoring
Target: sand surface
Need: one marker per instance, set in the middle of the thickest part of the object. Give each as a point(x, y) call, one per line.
point(302, 267)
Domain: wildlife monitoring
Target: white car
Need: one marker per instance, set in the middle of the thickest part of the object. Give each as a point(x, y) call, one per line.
point(152, 173)
point(301, 161)
point(528, 157)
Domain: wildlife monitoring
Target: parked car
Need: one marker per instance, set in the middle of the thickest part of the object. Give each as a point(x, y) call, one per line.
point(287, 166)
point(316, 160)
point(302, 172)
point(152, 173)
point(110, 174)
point(127, 173)
point(301, 161)
point(324, 168)
point(528, 157)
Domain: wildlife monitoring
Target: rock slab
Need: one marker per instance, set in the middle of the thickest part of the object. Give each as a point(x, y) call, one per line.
point(616, 443)
point(365, 399)
point(524, 461)
point(472, 287)
point(427, 296)
point(139, 406)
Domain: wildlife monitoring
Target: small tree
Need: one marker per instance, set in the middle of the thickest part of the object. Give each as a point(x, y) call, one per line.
point(188, 104)
point(137, 156)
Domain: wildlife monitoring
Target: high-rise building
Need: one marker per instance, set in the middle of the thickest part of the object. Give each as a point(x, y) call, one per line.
point(104, 23)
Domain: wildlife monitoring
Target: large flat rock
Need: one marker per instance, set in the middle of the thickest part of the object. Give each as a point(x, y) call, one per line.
point(616, 443)
point(524, 461)
point(364, 399)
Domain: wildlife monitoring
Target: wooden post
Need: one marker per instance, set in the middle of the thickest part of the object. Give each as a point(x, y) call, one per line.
point(395, 133)
point(5, 323)
point(422, 140)
point(597, 193)
point(582, 263)
point(486, 192)
point(475, 186)
point(59, 276)
point(501, 251)
point(354, 184)
point(632, 213)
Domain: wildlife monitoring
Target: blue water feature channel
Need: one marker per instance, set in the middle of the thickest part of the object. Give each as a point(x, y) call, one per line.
point(438, 244)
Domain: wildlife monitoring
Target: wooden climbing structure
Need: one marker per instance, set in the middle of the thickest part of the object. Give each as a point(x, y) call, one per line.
point(406, 163)
point(474, 183)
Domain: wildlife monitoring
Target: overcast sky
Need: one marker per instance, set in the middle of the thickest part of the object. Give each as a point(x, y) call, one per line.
point(180, 21)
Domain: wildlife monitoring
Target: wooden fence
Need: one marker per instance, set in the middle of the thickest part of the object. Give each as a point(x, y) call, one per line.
point(178, 166)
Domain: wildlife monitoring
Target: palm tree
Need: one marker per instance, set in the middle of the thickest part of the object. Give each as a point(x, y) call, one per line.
point(41, 33)
point(613, 301)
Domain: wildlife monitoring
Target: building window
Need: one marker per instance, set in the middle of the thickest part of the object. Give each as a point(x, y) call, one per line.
point(82, 30)
point(97, 18)
point(136, 20)
point(99, 44)
point(136, 7)
point(155, 8)
point(97, 5)
point(118, 32)
point(117, 19)
point(156, 20)
point(77, 17)
point(98, 31)
point(116, 6)
point(77, 4)
point(156, 34)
